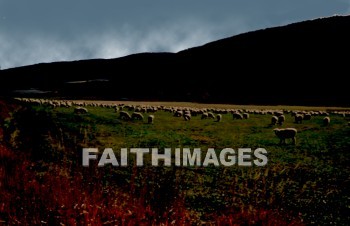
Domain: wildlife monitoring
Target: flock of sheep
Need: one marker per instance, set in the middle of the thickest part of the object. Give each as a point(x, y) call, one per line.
point(277, 116)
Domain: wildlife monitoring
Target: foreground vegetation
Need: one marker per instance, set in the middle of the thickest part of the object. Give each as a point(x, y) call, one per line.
point(42, 180)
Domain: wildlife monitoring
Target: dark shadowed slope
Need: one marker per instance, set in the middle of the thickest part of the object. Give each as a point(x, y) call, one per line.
point(279, 65)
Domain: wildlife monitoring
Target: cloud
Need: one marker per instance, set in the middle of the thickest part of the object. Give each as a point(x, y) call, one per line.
point(348, 9)
point(345, 5)
point(19, 50)
point(33, 49)
point(42, 48)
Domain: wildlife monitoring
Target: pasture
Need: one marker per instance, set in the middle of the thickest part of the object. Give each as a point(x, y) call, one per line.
point(305, 183)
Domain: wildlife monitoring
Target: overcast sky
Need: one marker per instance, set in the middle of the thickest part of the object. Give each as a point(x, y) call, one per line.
point(35, 31)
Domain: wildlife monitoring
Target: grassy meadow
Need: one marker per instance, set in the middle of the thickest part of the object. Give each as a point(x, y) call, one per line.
point(42, 180)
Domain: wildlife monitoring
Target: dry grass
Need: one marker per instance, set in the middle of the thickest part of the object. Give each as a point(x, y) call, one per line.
point(220, 106)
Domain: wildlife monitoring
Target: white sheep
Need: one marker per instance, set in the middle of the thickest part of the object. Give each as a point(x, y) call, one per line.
point(136, 115)
point(287, 133)
point(150, 119)
point(80, 110)
point(211, 115)
point(307, 116)
point(188, 112)
point(124, 115)
point(277, 113)
point(204, 115)
point(178, 113)
point(281, 119)
point(298, 118)
point(187, 117)
point(274, 120)
point(237, 116)
point(218, 117)
point(326, 121)
point(245, 115)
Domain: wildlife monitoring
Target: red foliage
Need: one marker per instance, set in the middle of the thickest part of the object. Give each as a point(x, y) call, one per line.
point(38, 193)
point(255, 217)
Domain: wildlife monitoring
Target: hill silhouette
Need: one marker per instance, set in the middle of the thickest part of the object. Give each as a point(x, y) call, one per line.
point(303, 63)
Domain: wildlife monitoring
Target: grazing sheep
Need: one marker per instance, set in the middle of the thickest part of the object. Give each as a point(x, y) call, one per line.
point(68, 104)
point(211, 115)
point(80, 110)
point(307, 117)
point(298, 118)
point(245, 115)
point(278, 113)
point(287, 133)
point(326, 121)
point(194, 112)
point(178, 114)
point(187, 117)
point(204, 115)
point(136, 115)
point(124, 115)
point(218, 117)
point(152, 109)
point(281, 119)
point(237, 116)
point(150, 119)
point(188, 112)
point(274, 120)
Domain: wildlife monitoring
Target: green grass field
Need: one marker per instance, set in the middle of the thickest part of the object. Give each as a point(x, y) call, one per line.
point(306, 183)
